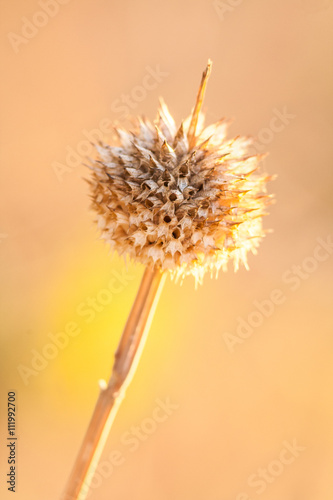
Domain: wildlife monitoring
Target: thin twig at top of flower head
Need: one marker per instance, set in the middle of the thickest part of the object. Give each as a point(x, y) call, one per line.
point(191, 135)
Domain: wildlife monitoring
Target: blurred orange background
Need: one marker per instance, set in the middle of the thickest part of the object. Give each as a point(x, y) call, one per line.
point(238, 400)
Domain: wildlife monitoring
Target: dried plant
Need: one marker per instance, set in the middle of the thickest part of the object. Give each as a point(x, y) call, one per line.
point(181, 201)
point(185, 200)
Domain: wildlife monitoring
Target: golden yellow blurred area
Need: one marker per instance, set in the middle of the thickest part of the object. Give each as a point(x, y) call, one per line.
point(232, 399)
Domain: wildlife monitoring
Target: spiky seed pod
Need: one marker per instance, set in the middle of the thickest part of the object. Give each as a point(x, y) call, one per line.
point(185, 200)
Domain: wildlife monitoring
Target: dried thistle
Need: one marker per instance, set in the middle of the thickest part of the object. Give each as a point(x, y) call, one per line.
point(185, 200)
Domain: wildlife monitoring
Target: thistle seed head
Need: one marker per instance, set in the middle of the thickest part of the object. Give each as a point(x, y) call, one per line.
point(186, 199)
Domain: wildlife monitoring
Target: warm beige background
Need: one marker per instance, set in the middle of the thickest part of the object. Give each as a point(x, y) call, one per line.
point(235, 409)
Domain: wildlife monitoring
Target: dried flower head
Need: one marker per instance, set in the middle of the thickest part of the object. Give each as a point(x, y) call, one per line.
point(185, 200)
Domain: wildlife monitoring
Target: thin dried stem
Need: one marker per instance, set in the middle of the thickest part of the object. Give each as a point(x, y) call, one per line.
point(191, 135)
point(126, 360)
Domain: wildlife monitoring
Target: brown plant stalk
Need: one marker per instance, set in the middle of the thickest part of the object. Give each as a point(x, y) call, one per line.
point(126, 359)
